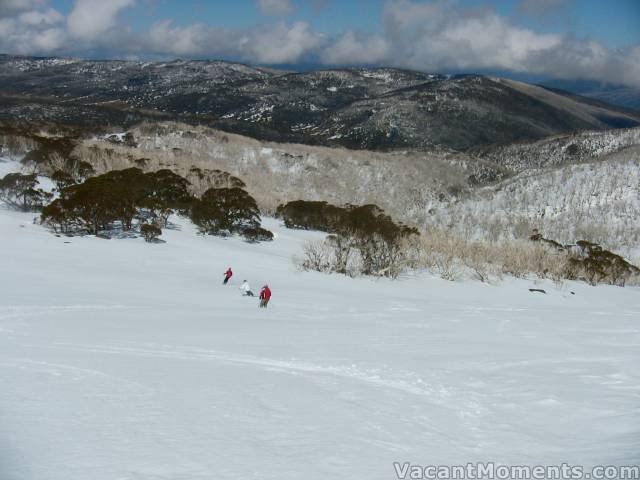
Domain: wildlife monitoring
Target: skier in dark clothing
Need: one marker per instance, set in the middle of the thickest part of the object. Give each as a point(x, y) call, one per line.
point(227, 275)
point(265, 295)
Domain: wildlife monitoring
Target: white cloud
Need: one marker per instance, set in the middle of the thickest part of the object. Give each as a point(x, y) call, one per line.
point(433, 35)
point(164, 38)
point(15, 38)
point(46, 17)
point(280, 43)
point(30, 31)
point(49, 40)
point(12, 7)
point(90, 19)
point(275, 7)
point(272, 43)
point(353, 49)
point(440, 35)
point(275, 43)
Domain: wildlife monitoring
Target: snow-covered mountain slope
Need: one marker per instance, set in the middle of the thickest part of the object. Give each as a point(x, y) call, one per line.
point(124, 360)
point(613, 94)
point(594, 114)
point(359, 108)
point(561, 150)
point(597, 200)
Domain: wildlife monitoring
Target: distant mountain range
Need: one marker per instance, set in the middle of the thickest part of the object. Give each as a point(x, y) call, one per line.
point(613, 94)
point(364, 108)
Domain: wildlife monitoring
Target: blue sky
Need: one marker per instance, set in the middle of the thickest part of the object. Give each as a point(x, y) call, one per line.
point(567, 39)
point(615, 23)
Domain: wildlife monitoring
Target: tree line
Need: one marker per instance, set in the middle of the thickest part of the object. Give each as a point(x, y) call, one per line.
point(361, 239)
point(131, 199)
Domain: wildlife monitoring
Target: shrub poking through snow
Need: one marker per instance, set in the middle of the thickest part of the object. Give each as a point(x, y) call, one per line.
point(363, 239)
point(150, 232)
point(378, 240)
point(318, 256)
point(20, 191)
point(452, 257)
point(257, 234)
point(594, 265)
point(591, 263)
point(309, 215)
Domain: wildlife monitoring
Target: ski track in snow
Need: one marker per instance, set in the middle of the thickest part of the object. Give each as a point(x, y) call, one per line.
point(22, 311)
point(375, 377)
point(58, 369)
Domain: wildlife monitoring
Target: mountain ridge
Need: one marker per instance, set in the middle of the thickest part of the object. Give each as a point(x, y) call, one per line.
point(358, 108)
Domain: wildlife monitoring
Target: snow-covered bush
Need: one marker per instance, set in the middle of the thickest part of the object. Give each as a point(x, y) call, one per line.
point(452, 256)
point(441, 253)
point(317, 255)
point(334, 254)
point(598, 201)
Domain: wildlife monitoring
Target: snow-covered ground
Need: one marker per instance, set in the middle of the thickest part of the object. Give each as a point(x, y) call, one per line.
point(9, 166)
point(121, 360)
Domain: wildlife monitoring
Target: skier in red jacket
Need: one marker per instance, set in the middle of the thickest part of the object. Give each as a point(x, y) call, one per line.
point(265, 295)
point(227, 275)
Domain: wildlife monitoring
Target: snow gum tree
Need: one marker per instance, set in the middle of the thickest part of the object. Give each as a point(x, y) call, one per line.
point(363, 231)
point(163, 193)
point(21, 192)
point(116, 196)
point(225, 210)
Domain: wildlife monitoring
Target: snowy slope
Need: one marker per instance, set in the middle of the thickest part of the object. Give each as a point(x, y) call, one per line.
point(8, 165)
point(124, 360)
point(599, 201)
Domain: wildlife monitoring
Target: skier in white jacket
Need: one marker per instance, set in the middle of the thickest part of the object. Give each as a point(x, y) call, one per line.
point(246, 289)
